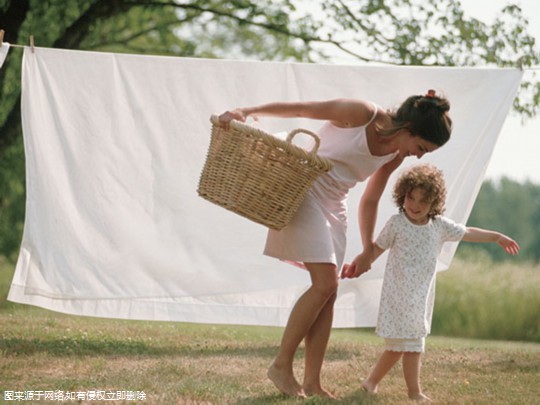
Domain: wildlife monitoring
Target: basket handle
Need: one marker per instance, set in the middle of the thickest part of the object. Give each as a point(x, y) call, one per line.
point(315, 137)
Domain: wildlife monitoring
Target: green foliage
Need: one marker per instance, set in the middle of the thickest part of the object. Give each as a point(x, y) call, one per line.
point(485, 300)
point(509, 207)
point(12, 200)
point(437, 33)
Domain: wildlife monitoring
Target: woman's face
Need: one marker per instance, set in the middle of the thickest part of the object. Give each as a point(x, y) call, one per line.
point(414, 145)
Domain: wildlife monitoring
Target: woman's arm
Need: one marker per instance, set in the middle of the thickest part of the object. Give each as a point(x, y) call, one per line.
point(341, 112)
point(483, 235)
point(369, 203)
point(367, 217)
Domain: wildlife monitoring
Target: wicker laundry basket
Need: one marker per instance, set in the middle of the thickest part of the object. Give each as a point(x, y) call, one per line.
point(258, 175)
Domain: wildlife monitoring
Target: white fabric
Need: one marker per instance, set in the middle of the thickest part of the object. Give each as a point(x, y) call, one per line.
point(4, 49)
point(408, 291)
point(317, 232)
point(405, 345)
point(114, 148)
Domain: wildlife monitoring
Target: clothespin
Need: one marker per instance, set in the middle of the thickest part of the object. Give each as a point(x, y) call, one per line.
point(2, 32)
point(32, 43)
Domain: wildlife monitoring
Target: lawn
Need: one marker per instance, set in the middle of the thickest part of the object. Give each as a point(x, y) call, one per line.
point(43, 351)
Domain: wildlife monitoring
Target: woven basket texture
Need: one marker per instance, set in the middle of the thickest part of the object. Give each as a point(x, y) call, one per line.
point(257, 175)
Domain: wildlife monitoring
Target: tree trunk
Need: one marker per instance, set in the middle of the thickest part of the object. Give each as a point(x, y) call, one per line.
point(11, 21)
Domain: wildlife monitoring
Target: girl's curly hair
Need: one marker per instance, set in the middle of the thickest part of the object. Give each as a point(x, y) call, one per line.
point(426, 177)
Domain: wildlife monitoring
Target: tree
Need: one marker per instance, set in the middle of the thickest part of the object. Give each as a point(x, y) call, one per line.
point(512, 208)
point(214, 28)
point(434, 33)
point(285, 30)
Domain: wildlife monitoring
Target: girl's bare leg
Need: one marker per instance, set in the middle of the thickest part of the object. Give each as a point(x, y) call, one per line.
point(304, 316)
point(411, 372)
point(385, 363)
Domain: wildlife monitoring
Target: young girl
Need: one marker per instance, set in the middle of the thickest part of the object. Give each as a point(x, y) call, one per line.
point(415, 237)
point(362, 140)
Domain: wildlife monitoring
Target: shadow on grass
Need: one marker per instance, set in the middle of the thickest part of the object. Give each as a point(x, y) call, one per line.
point(357, 397)
point(69, 346)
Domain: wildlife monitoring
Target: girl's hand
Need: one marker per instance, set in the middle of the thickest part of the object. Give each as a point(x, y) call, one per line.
point(360, 265)
point(509, 245)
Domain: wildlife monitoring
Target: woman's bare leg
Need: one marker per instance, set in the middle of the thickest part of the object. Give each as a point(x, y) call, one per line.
point(316, 343)
point(304, 316)
point(385, 363)
point(411, 372)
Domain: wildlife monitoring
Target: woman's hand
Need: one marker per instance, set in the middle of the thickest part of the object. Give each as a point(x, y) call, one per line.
point(236, 114)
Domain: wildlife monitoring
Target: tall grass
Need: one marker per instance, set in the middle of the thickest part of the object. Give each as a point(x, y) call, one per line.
point(6, 274)
point(486, 300)
point(475, 298)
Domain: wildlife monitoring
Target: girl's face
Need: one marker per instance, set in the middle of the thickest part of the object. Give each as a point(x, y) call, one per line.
point(414, 145)
point(416, 206)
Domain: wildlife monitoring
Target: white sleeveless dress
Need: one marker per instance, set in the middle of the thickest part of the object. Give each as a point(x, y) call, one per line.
point(317, 232)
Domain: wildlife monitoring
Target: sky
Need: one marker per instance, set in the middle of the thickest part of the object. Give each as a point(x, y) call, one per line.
point(516, 154)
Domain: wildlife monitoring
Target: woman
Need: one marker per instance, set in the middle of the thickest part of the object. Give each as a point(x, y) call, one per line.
point(362, 140)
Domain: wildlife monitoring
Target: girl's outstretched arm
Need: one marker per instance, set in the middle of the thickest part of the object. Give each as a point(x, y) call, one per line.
point(484, 235)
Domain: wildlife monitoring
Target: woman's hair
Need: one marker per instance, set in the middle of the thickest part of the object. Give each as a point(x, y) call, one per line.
point(425, 116)
point(429, 179)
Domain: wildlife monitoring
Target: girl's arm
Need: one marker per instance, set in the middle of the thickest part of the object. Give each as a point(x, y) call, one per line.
point(341, 112)
point(353, 271)
point(483, 235)
point(367, 216)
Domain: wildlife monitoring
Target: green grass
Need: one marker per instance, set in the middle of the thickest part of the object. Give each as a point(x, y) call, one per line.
point(188, 363)
point(175, 363)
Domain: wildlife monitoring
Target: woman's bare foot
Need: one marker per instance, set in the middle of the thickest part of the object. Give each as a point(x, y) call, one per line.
point(369, 387)
point(420, 397)
point(285, 382)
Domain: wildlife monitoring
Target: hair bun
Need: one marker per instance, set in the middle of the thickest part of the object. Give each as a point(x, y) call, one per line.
point(424, 104)
point(428, 102)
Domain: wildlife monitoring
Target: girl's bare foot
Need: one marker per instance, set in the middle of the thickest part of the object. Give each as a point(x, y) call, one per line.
point(420, 397)
point(319, 391)
point(285, 382)
point(369, 387)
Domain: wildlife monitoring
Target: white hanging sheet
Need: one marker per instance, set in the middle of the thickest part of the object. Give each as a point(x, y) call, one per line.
point(115, 145)
point(4, 49)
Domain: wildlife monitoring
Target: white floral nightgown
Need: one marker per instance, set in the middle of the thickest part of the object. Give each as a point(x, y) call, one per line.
point(408, 291)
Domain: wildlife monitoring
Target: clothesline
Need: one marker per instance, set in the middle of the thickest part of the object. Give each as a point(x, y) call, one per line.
point(518, 63)
point(20, 46)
